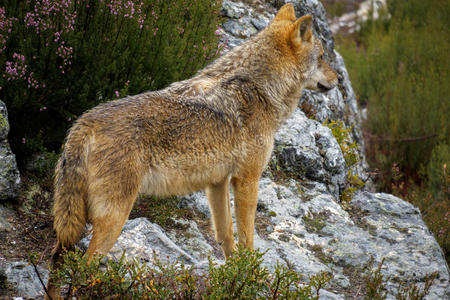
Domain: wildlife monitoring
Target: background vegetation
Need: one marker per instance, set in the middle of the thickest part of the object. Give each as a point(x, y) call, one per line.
point(63, 57)
point(399, 66)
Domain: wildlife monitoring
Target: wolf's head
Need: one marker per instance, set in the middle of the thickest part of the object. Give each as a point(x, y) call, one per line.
point(298, 42)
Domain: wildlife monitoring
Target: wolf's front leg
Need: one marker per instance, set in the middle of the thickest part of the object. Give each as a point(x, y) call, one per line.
point(219, 203)
point(245, 201)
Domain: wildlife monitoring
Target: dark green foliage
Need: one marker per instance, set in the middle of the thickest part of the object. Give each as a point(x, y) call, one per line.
point(241, 277)
point(69, 56)
point(437, 171)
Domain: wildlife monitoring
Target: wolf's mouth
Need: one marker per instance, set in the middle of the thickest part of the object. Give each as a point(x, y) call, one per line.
point(324, 87)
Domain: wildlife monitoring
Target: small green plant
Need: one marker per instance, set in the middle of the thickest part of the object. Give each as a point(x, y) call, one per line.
point(376, 290)
point(318, 251)
point(272, 213)
point(354, 183)
point(343, 137)
point(314, 222)
point(413, 292)
point(121, 279)
point(349, 149)
point(242, 276)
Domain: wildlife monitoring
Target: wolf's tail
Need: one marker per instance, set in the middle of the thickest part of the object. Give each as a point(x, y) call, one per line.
point(71, 189)
point(70, 198)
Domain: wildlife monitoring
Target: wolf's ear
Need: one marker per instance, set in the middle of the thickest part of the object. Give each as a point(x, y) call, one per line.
point(286, 12)
point(302, 30)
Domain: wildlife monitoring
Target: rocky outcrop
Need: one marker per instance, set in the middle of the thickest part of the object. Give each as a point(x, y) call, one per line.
point(309, 231)
point(305, 148)
point(143, 239)
point(9, 174)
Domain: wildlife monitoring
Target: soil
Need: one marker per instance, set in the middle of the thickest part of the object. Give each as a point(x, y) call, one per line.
point(32, 230)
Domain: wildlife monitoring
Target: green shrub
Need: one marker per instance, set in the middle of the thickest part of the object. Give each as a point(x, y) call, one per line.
point(435, 211)
point(60, 58)
point(241, 277)
point(436, 171)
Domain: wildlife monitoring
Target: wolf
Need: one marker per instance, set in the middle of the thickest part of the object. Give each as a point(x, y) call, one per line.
point(212, 130)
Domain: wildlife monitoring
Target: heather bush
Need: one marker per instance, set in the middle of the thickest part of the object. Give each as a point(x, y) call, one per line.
point(60, 58)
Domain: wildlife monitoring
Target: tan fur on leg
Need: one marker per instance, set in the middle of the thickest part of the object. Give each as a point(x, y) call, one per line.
point(245, 200)
point(219, 202)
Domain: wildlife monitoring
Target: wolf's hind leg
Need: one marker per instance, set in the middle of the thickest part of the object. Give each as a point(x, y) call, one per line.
point(245, 201)
point(108, 213)
point(219, 202)
point(105, 231)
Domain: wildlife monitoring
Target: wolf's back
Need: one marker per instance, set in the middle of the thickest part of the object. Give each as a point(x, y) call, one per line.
point(71, 189)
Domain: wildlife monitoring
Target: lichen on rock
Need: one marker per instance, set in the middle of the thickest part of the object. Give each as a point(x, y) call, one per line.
point(9, 173)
